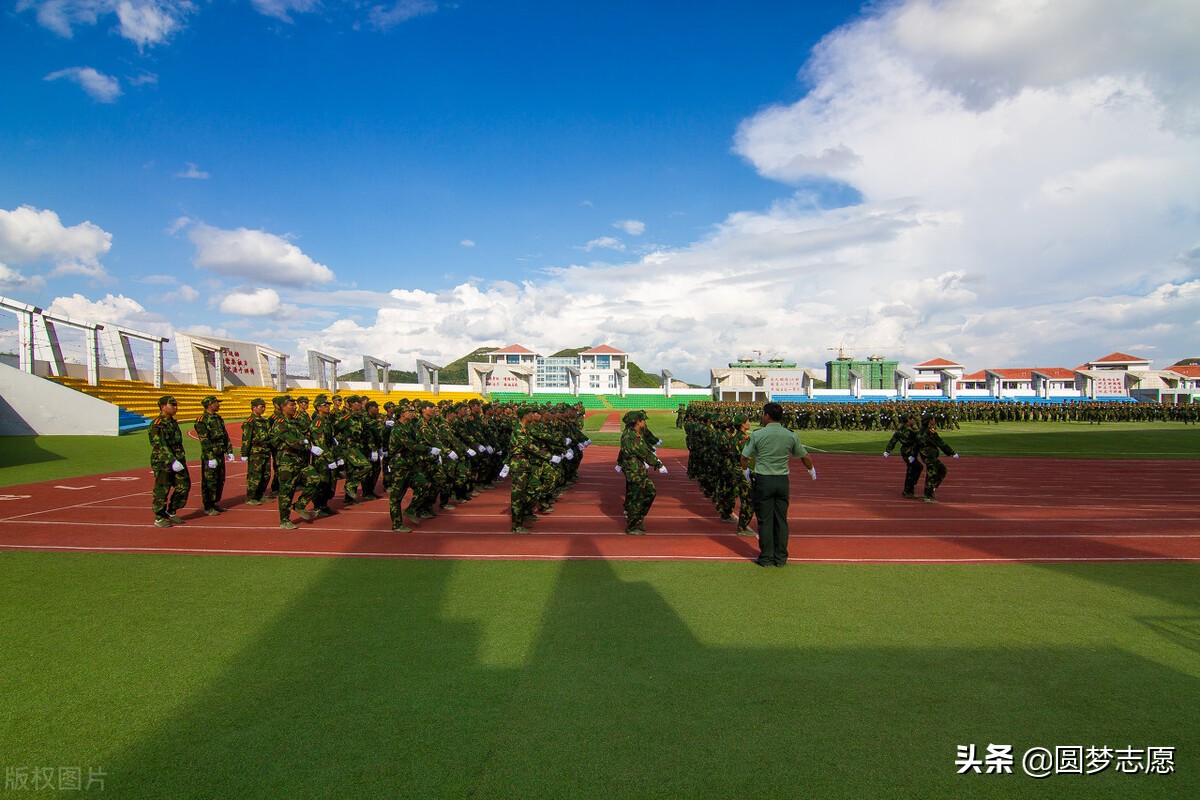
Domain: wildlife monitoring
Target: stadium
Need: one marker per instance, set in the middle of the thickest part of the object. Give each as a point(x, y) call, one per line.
point(918, 645)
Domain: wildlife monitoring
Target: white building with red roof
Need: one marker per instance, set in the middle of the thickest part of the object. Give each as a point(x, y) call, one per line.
point(602, 369)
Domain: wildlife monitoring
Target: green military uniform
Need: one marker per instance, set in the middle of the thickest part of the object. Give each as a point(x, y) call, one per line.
point(291, 454)
point(214, 448)
point(932, 448)
point(525, 457)
point(633, 459)
point(907, 437)
point(770, 447)
point(256, 452)
point(319, 478)
point(168, 460)
point(407, 458)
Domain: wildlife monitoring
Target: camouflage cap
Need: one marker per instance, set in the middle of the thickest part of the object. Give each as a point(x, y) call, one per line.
point(277, 400)
point(372, 404)
point(287, 398)
point(389, 405)
point(302, 399)
point(167, 400)
point(256, 402)
point(209, 400)
point(337, 397)
point(320, 400)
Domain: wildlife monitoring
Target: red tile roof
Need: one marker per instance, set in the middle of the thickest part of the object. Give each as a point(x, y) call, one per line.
point(1120, 358)
point(1013, 374)
point(603, 350)
point(981, 375)
point(512, 350)
point(939, 362)
point(1190, 370)
point(1057, 373)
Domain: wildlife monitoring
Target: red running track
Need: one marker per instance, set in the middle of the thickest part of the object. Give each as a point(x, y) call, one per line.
point(992, 510)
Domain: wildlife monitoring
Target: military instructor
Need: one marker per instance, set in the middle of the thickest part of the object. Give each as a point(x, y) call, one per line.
point(770, 447)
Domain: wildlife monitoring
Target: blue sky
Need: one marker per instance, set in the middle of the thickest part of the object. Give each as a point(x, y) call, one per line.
point(1004, 184)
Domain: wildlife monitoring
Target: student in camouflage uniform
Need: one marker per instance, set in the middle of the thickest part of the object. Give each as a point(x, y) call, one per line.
point(292, 450)
point(425, 493)
point(319, 478)
point(374, 442)
point(932, 448)
point(276, 418)
point(635, 456)
point(406, 458)
point(906, 436)
point(256, 451)
point(745, 492)
point(214, 450)
point(350, 431)
point(168, 460)
point(525, 457)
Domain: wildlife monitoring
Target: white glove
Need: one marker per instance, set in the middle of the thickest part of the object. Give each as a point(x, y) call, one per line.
point(587, 442)
point(569, 455)
point(471, 452)
point(316, 451)
point(659, 443)
point(956, 455)
point(617, 467)
point(746, 473)
point(175, 465)
point(663, 469)
point(453, 456)
point(333, 465)
point(555, 459)
point(504, 471)
point(911, 459)
point(229, 456)
point(374, 455)
point(567, 441)
point(435, 451)
point(341, 462)
point(491, 450)
point(244, 459)
point(212, 463)
point(389, 422)
point(383, 453)
point(813, 473)
point(886, 454)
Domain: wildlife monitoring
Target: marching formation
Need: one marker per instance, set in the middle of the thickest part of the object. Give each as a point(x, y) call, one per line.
point(446, 453)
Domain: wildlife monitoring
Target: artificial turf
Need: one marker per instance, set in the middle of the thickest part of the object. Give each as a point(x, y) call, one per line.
point(199, 677)
point(1022, 439)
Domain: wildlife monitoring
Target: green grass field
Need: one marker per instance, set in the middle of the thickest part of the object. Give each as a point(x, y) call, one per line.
point(217, 677)
point(1032, 439)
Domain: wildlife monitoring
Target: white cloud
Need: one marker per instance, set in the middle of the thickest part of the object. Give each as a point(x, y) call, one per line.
point(256, 256)
point(193, 172)
point(12, 280)
point(283, 9)
point(147, 22)
point(100, 87)
point(606, 242)
point(389, 15)
point(251, 302)
point(631, 226)
point(32, 236)
point(143, 22)
point(467, 243)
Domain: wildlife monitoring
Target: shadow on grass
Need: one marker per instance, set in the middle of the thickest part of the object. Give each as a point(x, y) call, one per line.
point(19, 451)
point(366, 686)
